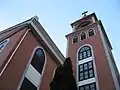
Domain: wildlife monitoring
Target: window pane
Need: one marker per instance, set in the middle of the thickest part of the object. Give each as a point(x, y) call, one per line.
point(90, 65)
point(90, 73)
point(87, 87)
point(81, 88)
point(84, 54)
point(86, 74)
point(27, 85)
point(81, 56)
point(81, 77)
point(88, 53)
point(81, 74)
point(85, 66)
point(81, 68)
point(38, 60)
point(92, 86)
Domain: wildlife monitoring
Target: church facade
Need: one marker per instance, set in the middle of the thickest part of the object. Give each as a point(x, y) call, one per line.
point(90, 50)
point(28, 56)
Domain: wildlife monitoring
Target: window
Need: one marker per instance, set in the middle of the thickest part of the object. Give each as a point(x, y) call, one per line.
point(38, 60)
point(84, 52)
point(86, 71)
point(83, 35)
point(91, 32)
point(91, 86)
point(75, 39)
point(27, 85)
point(3, 44)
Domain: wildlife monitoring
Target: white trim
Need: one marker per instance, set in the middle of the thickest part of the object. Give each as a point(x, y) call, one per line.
point(40, 34)
point(93, 19)
point(85, 60)
point(33, 75)
point(54, 73)
point(95, 71)
point(109, 59)
point(27, 66)
point(4, 44)
point(88, 81)
point(67, 47)
point(73, 28)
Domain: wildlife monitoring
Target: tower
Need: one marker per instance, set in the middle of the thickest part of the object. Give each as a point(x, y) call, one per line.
point(90, 50)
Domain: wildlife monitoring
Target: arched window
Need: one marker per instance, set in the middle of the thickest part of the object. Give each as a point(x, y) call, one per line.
point(91, 32)
point(84, 52)
point(38, 60)
point(83, 35)
point(34, 72)
point(75, 39)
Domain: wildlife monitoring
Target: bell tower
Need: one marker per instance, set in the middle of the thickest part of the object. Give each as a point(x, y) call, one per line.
point(90, 50)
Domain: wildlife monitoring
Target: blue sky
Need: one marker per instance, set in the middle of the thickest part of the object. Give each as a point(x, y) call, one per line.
point(56, 16)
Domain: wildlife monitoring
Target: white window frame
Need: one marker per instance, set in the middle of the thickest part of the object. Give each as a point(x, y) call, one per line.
point(27, 66)
point(84, 61)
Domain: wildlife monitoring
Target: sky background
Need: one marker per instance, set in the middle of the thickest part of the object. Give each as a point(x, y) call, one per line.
point(56, 16)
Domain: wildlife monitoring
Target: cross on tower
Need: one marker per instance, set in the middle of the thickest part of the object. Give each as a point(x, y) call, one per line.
point(84, 13)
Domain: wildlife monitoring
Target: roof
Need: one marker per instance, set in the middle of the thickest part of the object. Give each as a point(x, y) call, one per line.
point(93, 14)
point(37, 27)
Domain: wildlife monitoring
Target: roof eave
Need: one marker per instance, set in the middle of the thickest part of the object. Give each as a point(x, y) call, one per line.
point(45, 37)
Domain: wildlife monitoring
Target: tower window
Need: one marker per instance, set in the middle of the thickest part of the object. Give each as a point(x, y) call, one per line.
point(84, 52)
point(38, 60)
point(83, 35)
point(75, 39)
point(91, 32)
point(86, 71)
